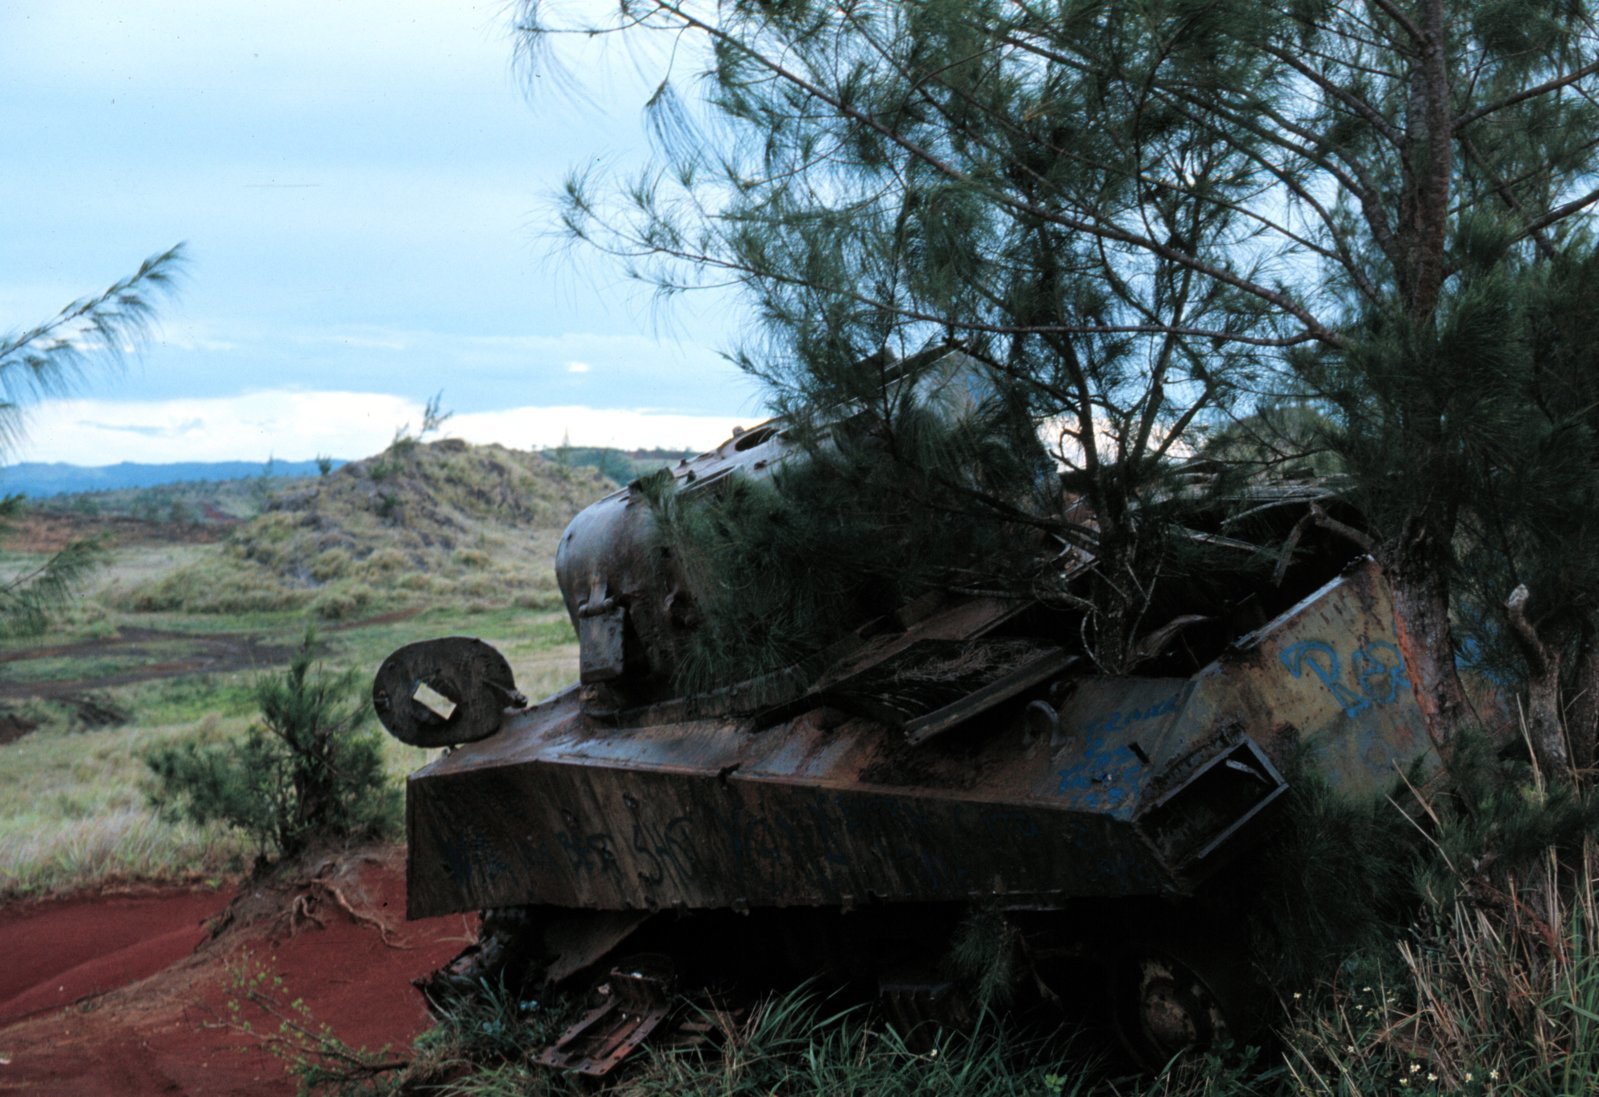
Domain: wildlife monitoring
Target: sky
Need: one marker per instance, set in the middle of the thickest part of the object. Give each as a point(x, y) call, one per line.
point(366, 192)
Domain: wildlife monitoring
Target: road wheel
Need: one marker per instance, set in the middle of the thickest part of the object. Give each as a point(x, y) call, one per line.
point(1166, 1003)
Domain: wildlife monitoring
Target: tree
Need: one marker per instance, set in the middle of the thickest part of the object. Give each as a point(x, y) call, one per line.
point(307, 772)
point(52, 359)
point(1155, 219)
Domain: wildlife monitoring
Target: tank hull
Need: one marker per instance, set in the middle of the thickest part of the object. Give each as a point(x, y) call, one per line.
point(1134, 787)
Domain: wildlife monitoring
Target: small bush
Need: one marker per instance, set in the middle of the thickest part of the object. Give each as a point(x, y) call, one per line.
point(342, 603)
point(306, 772)
point(330, 564)
point(384, 563)
point(470, 558)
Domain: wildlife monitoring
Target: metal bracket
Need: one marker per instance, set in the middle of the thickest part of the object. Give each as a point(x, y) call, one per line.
point(636, 1002)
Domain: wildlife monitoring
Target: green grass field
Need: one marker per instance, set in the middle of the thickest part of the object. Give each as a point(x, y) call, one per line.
point(168, 640)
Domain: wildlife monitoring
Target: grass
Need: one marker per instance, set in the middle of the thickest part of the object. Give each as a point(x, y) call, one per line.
point(72, 804)
point(72, 814)
point(72, 796)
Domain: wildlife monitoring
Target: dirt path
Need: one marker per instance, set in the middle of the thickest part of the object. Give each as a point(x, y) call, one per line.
point(104, 996)
point(204, 653)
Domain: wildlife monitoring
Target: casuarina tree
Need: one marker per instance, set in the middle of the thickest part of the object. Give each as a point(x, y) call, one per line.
point(1152, 220)
point(51, 359)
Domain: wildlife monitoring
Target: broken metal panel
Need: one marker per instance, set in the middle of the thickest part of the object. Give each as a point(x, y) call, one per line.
point(1192, 821)
point(635, 1002)
point(1109, 731)
point(932, 686)
point(1324, 685)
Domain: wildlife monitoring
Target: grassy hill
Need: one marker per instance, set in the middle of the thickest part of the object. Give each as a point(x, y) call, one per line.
point(415, 525)
point(167, 641)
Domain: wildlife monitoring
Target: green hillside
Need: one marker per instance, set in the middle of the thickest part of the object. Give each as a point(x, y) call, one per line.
point(415, 525)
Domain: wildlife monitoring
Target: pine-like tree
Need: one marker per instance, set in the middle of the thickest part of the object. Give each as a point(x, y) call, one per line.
point(52, 359)
point(1147, 219)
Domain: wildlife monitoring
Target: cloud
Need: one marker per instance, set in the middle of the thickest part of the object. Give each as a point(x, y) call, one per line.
point(299, 425)
point(578, 367)
point(163, 430)
point(252, 427)
point(624, 428)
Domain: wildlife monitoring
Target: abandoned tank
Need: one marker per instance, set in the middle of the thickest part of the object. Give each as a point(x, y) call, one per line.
point(958, 760)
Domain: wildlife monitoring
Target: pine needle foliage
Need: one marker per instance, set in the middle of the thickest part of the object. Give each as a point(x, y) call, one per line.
point(1159, 218)
point(306, 772)
point(52, 359)
point(1336, 883)
point(26, 599)
point(866, 515)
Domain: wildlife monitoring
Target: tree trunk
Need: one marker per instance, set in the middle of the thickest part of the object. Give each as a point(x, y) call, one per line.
point(1582, 713)
point(1545, 728)
point(1426, 640)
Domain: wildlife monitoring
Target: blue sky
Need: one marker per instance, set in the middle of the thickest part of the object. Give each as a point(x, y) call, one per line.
point(365, 189)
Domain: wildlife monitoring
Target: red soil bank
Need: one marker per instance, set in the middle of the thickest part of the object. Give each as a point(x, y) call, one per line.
point(168, 1029)
point(59, 951)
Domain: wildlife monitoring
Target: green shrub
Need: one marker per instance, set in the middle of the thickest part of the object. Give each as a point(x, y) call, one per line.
point(384, 563)
point(342, 603)
point(330, 564)
point(471, 558)
point(305, 772)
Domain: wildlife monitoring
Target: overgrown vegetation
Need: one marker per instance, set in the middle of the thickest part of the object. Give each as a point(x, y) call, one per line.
point(782, 567)
point(308, 772)
point(416, 524)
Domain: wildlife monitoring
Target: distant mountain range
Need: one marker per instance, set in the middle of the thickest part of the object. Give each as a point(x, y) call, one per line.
point(39, 480)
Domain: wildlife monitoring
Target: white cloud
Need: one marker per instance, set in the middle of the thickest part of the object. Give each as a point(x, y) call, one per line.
point(578, 367)
point(295, 426)
point(624, 428)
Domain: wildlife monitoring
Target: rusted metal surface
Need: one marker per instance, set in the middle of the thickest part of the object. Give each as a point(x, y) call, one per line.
point(436, 693)
point(635, 1001)
point(1140, 785)
point(631, 604)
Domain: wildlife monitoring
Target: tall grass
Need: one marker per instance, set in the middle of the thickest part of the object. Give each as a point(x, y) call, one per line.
point(72, 814)
point(1494, 989)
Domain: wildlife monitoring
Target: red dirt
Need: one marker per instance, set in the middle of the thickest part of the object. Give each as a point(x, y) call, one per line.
point(38, 532)
point(110, 996)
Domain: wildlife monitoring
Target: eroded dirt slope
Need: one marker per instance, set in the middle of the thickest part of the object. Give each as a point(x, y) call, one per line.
point(129, 995)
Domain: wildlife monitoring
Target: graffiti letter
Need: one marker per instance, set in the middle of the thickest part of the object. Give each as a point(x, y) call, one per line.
point(1296, 656)
point(1372, 669)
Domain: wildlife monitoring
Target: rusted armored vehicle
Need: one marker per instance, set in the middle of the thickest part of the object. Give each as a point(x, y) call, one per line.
point(849, 813)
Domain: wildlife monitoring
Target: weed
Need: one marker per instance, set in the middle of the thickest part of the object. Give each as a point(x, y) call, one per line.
point(288, 1030)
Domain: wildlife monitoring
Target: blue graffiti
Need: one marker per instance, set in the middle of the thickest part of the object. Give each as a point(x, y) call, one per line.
point(1121, 720)
point(1377, 669)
